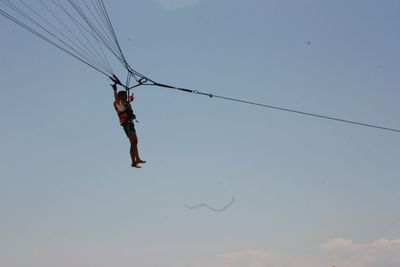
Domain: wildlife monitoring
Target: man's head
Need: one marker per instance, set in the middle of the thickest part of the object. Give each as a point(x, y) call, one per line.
point(122, 95)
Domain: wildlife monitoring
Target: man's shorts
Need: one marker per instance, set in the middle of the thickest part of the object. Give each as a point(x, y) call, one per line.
point(129, 128)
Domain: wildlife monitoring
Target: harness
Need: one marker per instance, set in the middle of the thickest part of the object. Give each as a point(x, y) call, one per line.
point(126, 115)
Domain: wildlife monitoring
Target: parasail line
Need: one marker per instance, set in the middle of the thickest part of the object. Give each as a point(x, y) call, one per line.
point(26, 27)
point(299, 112)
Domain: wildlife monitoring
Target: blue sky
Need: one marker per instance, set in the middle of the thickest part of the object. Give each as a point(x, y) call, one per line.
point(308, 192)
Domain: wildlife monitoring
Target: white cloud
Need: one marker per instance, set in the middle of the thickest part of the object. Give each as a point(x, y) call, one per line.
point(381, 253)
point(338, 243)
point(389, 244)
point(174, 4)
point(338, 252)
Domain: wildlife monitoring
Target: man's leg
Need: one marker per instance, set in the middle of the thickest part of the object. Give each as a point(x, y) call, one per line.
point(134, 151)
point(138, 160)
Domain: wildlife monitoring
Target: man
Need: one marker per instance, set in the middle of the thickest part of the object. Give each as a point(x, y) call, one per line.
point(126, 117)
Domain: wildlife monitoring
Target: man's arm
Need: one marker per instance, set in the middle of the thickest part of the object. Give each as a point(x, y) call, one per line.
point(116, 81)
point(114, 86)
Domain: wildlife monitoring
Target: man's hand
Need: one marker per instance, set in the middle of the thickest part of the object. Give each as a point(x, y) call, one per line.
point(114, 87)
point(115, 79)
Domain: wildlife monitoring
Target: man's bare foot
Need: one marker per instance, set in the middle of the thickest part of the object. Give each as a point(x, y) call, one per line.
point(136, 165)
point(140, 161)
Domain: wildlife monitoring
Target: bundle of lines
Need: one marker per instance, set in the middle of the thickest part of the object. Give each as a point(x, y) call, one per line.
point(82, 29)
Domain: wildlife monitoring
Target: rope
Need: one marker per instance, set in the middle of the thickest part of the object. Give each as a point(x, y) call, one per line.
point(93, 51)
point(81, 29)
point(18, 22)
point(53, 22)
point(299, 112)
